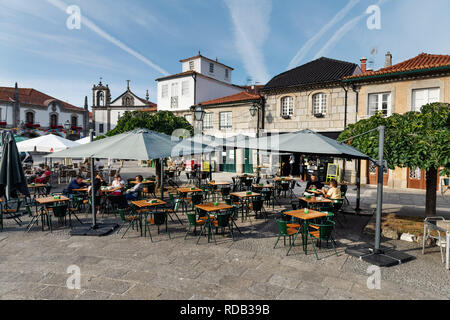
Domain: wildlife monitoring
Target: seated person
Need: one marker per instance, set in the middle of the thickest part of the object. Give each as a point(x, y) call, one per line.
point(117, 183)
point(132, 193)
point(98, 183)
point(76, 183)
point(43, 178)
point(313, 182)
point(333, 193)
point(99, 164)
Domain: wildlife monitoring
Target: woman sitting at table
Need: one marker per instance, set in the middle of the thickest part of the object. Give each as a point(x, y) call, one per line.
point(333, 193)
point(44, 177)
point(117, 183)
point(133, 193)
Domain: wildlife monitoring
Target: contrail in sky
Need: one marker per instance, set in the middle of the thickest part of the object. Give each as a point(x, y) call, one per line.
point(312, 41)
point(92, 26)
point(337, 36)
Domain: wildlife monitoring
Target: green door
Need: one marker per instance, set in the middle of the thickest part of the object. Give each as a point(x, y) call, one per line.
point(229, 161)
point(248, 161)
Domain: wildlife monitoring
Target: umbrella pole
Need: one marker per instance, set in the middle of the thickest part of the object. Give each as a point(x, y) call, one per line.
point(94, 211)
point(379, 188)
point(162, 179)
point(210, 167)
point(358, 186)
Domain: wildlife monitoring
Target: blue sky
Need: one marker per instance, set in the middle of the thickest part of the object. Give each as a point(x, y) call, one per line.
point(141, 40)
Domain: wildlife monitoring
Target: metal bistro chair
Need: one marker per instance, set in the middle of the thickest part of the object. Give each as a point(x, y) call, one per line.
point(159, 219)
point(430, 224)
point(223, 221)
point(321, 232)
point(59, 211)
point(344, 189)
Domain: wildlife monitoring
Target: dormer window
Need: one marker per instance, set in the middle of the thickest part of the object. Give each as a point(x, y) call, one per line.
point(227, 73)
point(211, 68)
point(191, 65)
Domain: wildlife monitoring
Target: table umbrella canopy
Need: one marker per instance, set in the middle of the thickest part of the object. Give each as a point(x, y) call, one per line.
point(84, 140)
point(139, 144)
point(305, 142)
point(47, 143)
point(12, 178)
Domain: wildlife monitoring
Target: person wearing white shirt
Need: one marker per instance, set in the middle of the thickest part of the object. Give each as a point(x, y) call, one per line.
point(98, 164)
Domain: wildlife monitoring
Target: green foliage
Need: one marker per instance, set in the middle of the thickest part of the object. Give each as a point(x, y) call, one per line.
point(163, 121)
point(414, 139)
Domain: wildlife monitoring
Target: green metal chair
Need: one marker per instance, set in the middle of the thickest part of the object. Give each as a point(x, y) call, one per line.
point(321, 232)
point(194, 222)
point(59, 211)
point(284, 231)
point(223, 221)
point(159, 219)
point(129, 218)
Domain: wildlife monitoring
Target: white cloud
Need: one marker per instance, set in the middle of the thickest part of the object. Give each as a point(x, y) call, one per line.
point(313, 40)
point(251, 29)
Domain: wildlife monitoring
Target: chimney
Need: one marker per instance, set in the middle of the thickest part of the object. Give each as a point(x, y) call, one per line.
point(388, 60)
point(86, 107)
point(147, 96)
point(363, 64)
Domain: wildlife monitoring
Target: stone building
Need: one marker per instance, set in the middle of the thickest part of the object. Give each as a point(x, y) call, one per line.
point(106, 113)
point(36, 113)
point(400, 88)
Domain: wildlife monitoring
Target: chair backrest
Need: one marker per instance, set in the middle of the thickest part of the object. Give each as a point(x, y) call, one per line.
point(197, 199)
point(285, 186)
point(192, 218)
point(344, 189)
point(223, 220)
point(258, 180)
point(325, 230)
point(282, 226)
point(295, 205)
point(159, 218)
point(226, 191)
point(59, 211)
point(257, 204)
point(285, 217)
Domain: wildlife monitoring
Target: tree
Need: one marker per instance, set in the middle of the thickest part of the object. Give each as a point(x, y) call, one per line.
point(162, 121)
point(413, 140)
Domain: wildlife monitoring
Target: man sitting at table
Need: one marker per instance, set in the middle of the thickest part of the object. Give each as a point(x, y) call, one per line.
point(76, 183)
point(314, 182)
point(133, 193)
point(333, 193)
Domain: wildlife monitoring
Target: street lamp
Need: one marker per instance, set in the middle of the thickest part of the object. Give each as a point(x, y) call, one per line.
point(199, 113)
point(254, 110)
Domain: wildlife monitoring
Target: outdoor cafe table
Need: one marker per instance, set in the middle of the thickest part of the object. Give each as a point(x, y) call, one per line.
point(144, 204)
point(315, 200)
point(314, 191)
point(306, 217)
point(244, 197)
point(211, 208)
point(281, 179)
point(37, 188)
point(271, 187)
point(220, 183)
point(144, 182)
point(49, 200)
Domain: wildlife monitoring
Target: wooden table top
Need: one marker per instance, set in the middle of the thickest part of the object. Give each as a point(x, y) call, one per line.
point(300, 214)
point(111, 190)
point(144, 182)
point(146, 203)
point(268, 186)
point(282, 179)
point(47, 200)
point(244, 194)
point(220, 183)
point(187, 190)
point(210, 207)
point(316, 200)
point(80, 190)
point(314, 191)
point(36, 185)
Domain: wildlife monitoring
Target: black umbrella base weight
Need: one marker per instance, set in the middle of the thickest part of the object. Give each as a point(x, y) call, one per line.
point(384, 257)
point(99, 230)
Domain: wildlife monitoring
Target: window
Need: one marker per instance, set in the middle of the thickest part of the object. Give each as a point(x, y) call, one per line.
point(287, 106)
point(208, 121)
point(101, 128)
point(185, 88)
point(227, 73)
point(422, 97)
point(174, 96)
point(74, 121)
point(100, 99)
point(211, 68)
point(226, 120)
point(380, 102)
point(319, 104)
point(29, 116)
point(165, 91)
point(415, 174)
point(53, 120)
point(191, 65)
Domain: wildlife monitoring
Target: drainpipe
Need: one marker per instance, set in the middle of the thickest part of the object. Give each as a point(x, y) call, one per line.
point(194, 76)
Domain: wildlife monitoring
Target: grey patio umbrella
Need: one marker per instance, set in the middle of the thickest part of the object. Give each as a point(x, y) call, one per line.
point(12, 177)
point(305, 142)
point(139, 144)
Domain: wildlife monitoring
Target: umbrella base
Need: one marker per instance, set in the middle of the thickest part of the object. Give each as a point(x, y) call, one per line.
point(384, 257)
point(99, 230)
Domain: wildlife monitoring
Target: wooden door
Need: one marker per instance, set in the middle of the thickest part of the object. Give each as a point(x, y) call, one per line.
point(417, 179)
point(373, 174)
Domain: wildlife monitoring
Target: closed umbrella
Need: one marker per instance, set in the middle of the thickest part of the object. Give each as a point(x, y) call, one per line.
point(12, 177)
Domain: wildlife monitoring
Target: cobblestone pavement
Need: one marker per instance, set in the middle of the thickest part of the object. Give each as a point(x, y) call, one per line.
point(34, 266)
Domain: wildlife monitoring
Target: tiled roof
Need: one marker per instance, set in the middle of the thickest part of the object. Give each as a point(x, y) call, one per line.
point(420, 62)
point(181, 74)
point(238, 97)
point(319, 71)
point(32, 96)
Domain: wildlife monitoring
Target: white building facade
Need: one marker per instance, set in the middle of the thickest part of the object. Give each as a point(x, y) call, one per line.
point(201, 79)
